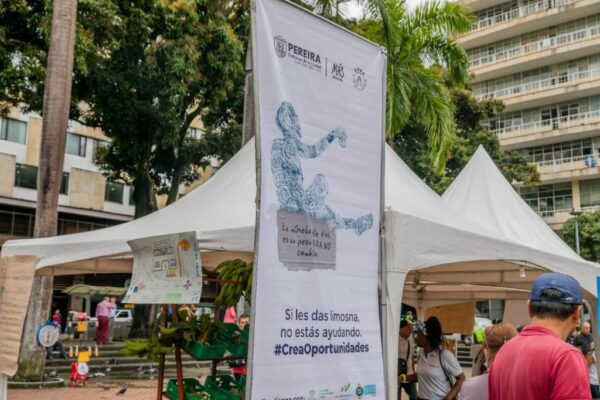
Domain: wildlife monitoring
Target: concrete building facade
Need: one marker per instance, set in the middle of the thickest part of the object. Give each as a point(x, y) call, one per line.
point(542, 59)
point(87, 201)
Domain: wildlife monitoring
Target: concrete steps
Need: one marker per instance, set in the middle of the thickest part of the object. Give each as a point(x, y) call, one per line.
point(464, 355)
point(118, 367)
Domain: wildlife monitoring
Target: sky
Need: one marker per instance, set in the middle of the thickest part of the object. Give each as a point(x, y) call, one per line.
point(355, 10)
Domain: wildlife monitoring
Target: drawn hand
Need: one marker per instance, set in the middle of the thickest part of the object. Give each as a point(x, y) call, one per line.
point(340, 136)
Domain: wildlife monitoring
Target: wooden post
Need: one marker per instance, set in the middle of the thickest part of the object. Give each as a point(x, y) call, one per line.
point(161, 362)
point(178, 363)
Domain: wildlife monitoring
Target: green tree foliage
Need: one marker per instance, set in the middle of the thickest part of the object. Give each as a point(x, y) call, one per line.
point(167, 63)
point(589, 235)
point(24, 35)
point(144, 70)
point(418, 43)
point(469, 133)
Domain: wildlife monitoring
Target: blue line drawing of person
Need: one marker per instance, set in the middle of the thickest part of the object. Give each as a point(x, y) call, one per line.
point(289, 180)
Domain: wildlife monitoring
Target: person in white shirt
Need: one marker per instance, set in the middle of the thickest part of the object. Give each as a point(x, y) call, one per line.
point(590, 357)
point(406, 360)
point(439, 374)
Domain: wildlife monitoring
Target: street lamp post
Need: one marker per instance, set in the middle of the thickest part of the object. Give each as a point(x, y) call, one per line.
point(576, 214)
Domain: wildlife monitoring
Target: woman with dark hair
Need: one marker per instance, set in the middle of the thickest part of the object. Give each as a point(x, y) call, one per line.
point(439, 374)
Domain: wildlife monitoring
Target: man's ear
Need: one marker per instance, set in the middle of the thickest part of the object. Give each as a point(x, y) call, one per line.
point(529, 308)
point(576, 314)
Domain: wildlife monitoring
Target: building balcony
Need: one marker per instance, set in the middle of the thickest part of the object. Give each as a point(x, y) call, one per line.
point(476, 5)
point(552, 50)
point(549, 131)
point(558, 88)
point(556, 218)
point(567, 169)
point(524, 19)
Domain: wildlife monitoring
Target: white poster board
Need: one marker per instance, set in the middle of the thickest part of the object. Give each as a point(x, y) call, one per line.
point(166, 270)
point(320, 89)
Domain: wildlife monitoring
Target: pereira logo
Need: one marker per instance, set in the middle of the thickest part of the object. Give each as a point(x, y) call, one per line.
point(280, 46)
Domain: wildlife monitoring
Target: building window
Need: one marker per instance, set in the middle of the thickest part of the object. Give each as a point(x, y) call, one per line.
point(131, 198)
point(114, 192)
point(76, 144)
point(26, 177)
point(590, 193)
point(547, 199)
point(64, 183)
point(96, 144)
point(195, 133)
point(559, 152)
point(13, 130)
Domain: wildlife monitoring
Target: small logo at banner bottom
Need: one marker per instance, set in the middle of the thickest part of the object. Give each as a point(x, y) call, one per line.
point(359, 79)
point(280, 46)
point(370, 390)
point(359, 391)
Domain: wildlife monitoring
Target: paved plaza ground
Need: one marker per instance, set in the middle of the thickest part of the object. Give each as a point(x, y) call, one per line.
point(138, 390)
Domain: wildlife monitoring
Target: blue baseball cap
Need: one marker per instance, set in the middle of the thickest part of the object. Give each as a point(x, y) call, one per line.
point(567, 285)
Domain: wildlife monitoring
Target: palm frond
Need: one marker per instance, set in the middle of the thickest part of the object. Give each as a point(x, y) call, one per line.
point(432, 106)
point(445, 52)
point(442, 17)
point(398, 99)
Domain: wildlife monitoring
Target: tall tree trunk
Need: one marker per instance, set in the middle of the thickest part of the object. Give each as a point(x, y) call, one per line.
point(144, 195)
point(145, 203)
point(175, 182)
point(57, 99)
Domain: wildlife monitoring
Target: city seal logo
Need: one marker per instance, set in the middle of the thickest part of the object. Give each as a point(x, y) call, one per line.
point(280, 46)
point(359, 391)
point(359, 79)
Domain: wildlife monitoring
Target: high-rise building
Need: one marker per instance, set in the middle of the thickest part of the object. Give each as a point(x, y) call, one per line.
point(542, 59)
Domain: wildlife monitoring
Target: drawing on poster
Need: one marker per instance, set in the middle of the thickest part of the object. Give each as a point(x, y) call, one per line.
point(305, 221)
point(166, 270)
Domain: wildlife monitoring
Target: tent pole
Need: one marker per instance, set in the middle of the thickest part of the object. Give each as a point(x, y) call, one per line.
point(3, 385)
point(161, 362)
point(178, 363)
point(383, 307)
point(592, 304)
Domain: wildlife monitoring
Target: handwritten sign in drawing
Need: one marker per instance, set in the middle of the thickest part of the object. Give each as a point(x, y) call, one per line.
point(304, 243)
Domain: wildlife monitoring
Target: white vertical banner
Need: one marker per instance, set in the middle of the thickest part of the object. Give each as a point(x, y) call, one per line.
point(320, 97)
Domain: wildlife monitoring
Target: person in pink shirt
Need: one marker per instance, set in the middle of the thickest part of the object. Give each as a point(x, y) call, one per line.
point(103, 310)
point(229, 317)
point(538, 364)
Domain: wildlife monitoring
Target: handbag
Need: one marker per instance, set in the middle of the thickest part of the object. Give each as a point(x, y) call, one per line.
point(403, 364)
point(450, 378)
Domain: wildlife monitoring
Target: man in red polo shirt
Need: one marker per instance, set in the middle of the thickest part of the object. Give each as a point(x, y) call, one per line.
point(538, 364)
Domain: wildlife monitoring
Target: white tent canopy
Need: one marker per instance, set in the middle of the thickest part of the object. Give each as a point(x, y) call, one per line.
point(422, 234)
point(483, 196)
point(429, 244)
point(222, 212)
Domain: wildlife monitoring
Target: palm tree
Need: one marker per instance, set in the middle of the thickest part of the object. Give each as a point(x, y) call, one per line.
point(419, 46)
point(57, 99)
point(413, 40)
